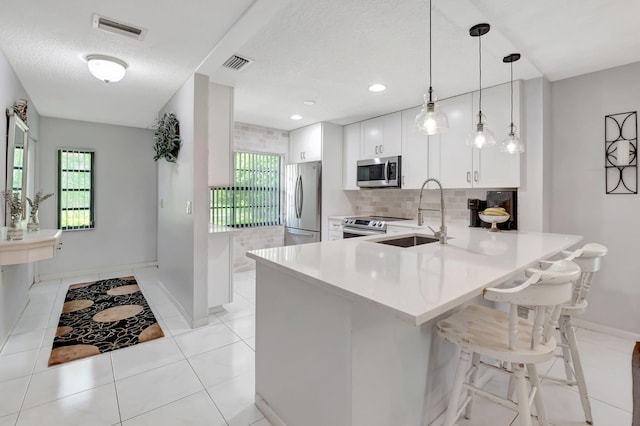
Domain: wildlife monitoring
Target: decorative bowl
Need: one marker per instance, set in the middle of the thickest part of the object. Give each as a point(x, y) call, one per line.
point(493, 220)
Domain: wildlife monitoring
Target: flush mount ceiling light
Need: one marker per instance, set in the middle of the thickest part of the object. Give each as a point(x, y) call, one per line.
point(309, 102)
point(296, 117)
point(481, 136)
point(512, 143)
point(106, 68)
point(431, 120)
point(377, 87)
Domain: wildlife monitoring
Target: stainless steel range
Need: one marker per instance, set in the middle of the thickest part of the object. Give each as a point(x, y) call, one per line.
point(366, 225)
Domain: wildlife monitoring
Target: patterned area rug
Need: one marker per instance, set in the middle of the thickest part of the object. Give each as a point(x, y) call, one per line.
point(102, 316)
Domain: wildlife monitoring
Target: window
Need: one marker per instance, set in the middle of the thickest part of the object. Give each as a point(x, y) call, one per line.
point(254, 199)
point(75, 189)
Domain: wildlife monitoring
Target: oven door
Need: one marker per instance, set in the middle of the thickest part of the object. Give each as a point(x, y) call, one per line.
point(348, 232)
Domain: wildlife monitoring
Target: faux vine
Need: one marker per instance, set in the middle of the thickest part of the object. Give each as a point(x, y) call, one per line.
point(167, 137)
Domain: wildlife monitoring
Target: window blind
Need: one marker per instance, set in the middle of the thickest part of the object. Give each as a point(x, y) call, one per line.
point(75, 189)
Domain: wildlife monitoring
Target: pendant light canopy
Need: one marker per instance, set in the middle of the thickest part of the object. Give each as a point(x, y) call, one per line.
point(512, 143)
point(481, 136)
point(431, 120)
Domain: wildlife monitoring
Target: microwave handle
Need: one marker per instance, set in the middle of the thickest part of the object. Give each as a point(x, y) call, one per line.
point(386, 171)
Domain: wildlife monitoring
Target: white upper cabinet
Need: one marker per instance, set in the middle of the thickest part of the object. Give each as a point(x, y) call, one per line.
point(382, 136)
point(460, 166)
point(493, 168)
point(450, 159)
point(350, 155)
point(415, 151)
point(305, 144)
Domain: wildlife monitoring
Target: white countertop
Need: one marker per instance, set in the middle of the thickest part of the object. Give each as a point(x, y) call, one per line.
point(31, 237)
point(418, 283)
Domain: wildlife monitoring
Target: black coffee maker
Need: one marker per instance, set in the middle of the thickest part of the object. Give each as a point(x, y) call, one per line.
point(475, 205)
point(505, 199)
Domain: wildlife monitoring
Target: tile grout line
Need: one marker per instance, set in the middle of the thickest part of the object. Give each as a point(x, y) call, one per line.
point(115, 387)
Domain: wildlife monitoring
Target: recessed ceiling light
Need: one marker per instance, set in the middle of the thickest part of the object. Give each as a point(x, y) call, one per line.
point(106, 68)
point(296, 117)
point(309, 102)
point(377, 87)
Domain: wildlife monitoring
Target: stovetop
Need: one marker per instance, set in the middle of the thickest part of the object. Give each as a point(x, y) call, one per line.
point(370, 222)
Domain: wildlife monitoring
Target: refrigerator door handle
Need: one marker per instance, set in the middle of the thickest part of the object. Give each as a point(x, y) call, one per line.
point(301, 197)
point(296, 195)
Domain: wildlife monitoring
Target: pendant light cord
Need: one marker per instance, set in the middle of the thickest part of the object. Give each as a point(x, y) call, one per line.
point(512, 97)
point(480, 67)
point(430, 24)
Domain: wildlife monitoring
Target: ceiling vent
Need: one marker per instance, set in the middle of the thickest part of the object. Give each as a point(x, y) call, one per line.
point(112, 26)
point(237, 63)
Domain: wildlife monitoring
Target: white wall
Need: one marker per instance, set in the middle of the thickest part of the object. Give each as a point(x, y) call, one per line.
point(220, 135)
point(125, 196)
point(182, 236)
point(579, 204)
point(14, 279)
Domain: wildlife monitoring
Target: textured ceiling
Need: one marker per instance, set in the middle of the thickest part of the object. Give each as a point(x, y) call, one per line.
point(328, 51)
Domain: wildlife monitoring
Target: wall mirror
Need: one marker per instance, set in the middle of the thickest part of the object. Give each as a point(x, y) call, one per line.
point(17, 149)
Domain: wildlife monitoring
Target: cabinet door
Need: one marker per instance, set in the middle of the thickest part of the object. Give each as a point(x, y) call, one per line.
point(392, 134)
point(493, 168)
point(415, 152)
point(305, 144)
point(449, 157)
point(382, 136)
point(372, 137)
point(350, 155)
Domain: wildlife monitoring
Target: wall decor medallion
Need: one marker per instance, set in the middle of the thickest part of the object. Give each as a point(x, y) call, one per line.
point(20, 109)
point(621, 148)
point(167, 138)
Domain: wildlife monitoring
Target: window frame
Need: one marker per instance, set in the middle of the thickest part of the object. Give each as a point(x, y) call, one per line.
point(92, 172)
point(236, 189)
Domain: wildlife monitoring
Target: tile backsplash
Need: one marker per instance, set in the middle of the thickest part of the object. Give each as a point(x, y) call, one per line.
point(404, 202)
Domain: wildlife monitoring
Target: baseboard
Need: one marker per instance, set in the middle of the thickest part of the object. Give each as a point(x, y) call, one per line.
point(47, 277)
point(623, 334)
point(268, 412)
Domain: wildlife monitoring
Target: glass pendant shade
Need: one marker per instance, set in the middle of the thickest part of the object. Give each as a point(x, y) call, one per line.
point(481, 136)
point(431, 120)
point(512, 143)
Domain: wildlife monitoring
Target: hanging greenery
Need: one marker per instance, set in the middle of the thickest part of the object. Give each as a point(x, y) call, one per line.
point(167, 138)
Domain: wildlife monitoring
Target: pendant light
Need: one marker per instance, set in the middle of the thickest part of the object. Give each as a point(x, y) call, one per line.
point(431, 120)
point(481, 136)
point(512, 143)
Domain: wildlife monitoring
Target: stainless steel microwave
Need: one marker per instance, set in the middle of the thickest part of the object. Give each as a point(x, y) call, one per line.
point(380, 172)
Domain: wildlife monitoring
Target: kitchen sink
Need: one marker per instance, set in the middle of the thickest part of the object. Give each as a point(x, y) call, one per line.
point(408, 241)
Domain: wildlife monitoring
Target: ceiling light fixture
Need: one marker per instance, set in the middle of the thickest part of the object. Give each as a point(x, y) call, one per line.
point(512, 143)
point(377, 87)
point(309, 102)
point(481, 136)
point(106, 68)
point(296, 117)
point(431, 120)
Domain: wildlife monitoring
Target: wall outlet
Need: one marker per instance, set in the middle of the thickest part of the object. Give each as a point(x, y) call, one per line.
point(189, 209)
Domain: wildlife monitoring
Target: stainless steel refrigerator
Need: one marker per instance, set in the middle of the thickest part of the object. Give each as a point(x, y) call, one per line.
point(302, 203)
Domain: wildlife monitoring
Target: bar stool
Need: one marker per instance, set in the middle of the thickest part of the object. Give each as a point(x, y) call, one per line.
point(589, 259)
point(505, 337)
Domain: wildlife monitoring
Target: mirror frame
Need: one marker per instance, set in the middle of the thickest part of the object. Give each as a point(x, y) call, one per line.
point(15, 123)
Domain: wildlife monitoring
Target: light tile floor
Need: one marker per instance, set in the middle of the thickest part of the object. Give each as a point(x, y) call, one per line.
point(206, 376)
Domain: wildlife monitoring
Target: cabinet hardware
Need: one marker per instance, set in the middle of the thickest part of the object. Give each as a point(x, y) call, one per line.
point(381, 149)
point(475, 176)
point(469, 177)
point(377, 149)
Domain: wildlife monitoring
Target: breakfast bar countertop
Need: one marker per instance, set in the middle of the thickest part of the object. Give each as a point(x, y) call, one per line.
point(416, 284)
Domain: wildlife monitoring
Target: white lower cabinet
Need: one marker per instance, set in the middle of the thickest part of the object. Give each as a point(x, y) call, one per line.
point(335, 229)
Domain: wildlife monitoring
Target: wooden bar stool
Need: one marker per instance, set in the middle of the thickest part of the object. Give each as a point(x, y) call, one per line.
point(505, 337)
point(589, 259)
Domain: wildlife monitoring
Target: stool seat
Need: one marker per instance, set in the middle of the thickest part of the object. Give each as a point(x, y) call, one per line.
point(485, 330)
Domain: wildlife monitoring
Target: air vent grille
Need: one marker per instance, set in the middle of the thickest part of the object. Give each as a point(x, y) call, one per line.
point(237, 63)
point(112, 26)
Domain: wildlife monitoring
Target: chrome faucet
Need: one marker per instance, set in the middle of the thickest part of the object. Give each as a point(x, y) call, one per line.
point(442, 234)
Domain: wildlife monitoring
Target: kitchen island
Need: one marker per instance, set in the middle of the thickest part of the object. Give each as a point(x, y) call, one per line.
point(345, 330)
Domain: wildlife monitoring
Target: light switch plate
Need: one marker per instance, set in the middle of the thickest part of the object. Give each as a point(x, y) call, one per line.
point(189, 209)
